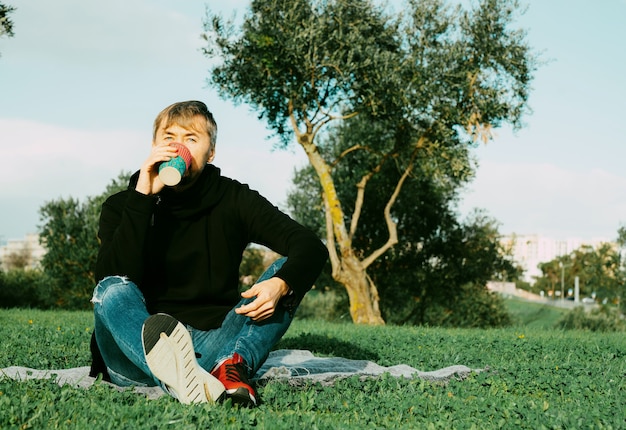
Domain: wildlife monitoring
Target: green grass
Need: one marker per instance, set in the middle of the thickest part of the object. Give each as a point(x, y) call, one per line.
point(536, 378)
point(533, 315)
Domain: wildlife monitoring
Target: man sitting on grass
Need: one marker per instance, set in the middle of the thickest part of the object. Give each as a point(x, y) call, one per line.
point(167, 307)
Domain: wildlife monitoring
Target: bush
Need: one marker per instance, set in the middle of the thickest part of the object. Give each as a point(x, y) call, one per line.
point(26, 288)
point(330, 305)
point(603, 319)
point(474, 307)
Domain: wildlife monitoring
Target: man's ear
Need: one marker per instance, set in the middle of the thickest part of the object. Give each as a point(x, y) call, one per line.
point(211, 156)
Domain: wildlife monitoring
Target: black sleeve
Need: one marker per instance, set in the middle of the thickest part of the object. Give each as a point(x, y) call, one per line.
point(124, 224)
point(268, 226)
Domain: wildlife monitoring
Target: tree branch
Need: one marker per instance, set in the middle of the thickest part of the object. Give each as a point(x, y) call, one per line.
point(348, 151)
point(327, 117)
point(360, 195)
point(391, 225)
point(330, 240)
point(358, 204)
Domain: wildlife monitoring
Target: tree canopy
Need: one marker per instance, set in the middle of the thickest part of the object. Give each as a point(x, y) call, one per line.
point(6, 25)
point(437, 274)
point(70, 235)
point(600, 272)
point(432, 80)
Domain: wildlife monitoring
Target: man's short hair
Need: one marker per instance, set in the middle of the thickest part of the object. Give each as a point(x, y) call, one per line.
point(184, 114)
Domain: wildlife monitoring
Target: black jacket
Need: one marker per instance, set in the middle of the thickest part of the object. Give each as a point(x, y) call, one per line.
point(183, 250)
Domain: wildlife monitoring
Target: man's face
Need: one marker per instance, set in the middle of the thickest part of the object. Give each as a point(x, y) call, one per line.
point(195, 138)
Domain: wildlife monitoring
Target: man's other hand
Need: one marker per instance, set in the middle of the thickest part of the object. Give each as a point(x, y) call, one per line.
point(267, 294)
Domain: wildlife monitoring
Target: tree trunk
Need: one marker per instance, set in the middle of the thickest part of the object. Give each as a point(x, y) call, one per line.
point(362, 292)
point(347, 269)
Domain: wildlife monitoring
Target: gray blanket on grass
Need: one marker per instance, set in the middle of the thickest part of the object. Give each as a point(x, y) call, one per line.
point(295, 367)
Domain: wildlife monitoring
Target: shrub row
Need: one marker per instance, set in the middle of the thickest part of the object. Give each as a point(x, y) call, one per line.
point(26, 288)
point(602, 319)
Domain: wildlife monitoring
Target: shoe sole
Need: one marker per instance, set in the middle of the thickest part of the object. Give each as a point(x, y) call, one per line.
point(241, 396)
point(171, 358)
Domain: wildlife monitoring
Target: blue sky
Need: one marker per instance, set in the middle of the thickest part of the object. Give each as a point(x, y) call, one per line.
point(82, 80)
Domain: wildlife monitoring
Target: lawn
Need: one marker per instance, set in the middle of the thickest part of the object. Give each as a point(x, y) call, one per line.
point(535, 378)
point(532, 314)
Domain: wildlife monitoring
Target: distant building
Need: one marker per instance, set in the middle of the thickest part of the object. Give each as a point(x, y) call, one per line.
point(530, 250)
point(26, 250)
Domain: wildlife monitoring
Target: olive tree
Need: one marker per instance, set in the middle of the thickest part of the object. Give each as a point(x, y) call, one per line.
point(437, 274)
point(439, 77)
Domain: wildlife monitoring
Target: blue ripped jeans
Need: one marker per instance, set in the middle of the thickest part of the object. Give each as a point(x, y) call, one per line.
point(120, 311)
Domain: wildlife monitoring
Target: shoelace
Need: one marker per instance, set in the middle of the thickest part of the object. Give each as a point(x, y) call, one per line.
point(235, 372)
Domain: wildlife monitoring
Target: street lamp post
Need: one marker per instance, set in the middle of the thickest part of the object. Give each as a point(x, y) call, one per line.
point(562, 266)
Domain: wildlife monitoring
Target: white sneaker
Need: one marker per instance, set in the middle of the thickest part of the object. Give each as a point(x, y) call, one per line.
point(169, 353)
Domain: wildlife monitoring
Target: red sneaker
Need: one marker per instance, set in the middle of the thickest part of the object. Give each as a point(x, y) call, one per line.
point(233, 373)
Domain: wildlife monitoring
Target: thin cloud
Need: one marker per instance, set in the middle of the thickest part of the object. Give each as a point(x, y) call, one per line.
point(530, 198)
point(50, 161)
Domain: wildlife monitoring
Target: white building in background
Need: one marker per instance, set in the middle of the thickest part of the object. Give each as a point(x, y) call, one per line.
point(28, 245)
point(530, 250)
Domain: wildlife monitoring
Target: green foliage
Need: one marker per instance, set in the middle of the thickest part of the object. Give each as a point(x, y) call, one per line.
point(6, 25)
point(603, 319)
point(251, 268)
point(304, 200)
point(473, 306)
point(443, 276)
point(302, 57)
point(252, 263)
point(621, 236)
point(599, 270)
point(327, 305)
point(25, 288)
point(437, 256)
point(411, 94)
point(70, 236)
point(433, 66)
point(523, 285)
point(532, 379)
